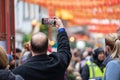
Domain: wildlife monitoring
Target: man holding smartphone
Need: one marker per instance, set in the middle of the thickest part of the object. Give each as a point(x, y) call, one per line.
point(47, 67)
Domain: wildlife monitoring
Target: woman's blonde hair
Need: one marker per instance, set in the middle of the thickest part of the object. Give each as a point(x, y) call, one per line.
point(110, 39)
point(113, 41)
point(116, 50)
point(3, 58)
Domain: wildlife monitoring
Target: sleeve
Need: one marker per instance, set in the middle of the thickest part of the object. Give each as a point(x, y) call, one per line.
point(63, 49)
point(112, 72)
point(85, 73)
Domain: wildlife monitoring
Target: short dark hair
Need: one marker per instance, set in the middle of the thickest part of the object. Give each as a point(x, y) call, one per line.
point(38, 48)
point(18, 50)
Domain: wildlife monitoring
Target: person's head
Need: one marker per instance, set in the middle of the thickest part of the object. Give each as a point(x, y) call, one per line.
point(116, 50)
point(26, 46)
point(39, 43)
point(3, 58)
point(110, 41)
point(89, 50)
point(18, 52)
point(98, 54)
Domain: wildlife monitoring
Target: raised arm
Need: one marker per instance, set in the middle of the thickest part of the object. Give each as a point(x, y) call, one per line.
point(63, 49)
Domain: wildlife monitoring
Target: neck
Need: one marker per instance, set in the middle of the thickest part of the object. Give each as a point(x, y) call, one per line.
point(35, 54)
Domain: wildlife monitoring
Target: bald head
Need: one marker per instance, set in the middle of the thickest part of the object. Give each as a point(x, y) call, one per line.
point(39, 43)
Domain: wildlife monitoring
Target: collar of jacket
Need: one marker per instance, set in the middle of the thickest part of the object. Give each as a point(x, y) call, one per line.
point(39, 57)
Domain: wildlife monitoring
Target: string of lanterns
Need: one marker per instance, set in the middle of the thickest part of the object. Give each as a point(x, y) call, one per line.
point(74, 10)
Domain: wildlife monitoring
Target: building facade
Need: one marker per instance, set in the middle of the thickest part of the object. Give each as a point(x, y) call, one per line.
point(25, 15)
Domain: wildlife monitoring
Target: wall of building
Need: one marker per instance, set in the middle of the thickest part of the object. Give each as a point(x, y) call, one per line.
point(24, 15)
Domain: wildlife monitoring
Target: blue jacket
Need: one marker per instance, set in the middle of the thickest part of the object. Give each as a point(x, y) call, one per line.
point(112, 70)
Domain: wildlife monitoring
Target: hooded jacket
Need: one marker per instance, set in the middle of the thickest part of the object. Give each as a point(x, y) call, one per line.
point(85, 70)
point(8, 75)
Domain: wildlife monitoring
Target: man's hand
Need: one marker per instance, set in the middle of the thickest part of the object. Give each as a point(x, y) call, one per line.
point(59, 23)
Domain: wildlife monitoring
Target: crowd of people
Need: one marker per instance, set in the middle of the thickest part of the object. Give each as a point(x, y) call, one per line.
point(33, 63)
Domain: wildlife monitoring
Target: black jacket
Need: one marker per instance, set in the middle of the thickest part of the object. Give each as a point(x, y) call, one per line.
point(8, 75)
point(44, 67)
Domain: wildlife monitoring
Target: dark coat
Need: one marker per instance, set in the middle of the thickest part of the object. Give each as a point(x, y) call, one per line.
point(44, 67)
point(8, 75)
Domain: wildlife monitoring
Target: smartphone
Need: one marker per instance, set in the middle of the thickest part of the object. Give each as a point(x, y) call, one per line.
point(48, 21)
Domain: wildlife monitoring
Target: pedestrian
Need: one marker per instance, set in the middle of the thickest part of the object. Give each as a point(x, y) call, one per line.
point(109, 42)
point(113, 66)
point(11, 61)
point(47, 67)
point(26, 54)
point(6, 74)
point(17, 56)
point(94, 70)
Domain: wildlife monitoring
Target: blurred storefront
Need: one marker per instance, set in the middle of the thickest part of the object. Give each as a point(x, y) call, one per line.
point(27, 19)
point(96, 17)
point(7, 28)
